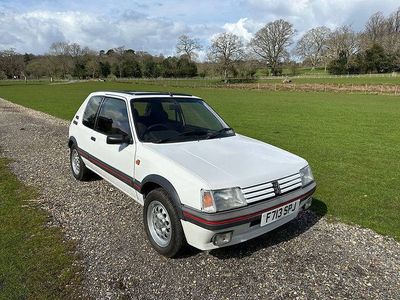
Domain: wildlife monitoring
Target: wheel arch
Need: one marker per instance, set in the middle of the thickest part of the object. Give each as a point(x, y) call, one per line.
point(153, 181)
point(72, 141)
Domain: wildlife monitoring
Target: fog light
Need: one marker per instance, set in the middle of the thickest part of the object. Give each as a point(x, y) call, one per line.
point(307, 205)
point(222, 238)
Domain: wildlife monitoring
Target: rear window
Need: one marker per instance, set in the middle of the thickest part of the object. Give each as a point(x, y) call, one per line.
point(89, 116)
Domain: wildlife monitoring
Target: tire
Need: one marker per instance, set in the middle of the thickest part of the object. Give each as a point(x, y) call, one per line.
point(78, 168)
point(162, 224)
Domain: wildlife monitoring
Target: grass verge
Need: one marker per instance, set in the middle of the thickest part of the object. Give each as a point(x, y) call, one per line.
point(35, 261)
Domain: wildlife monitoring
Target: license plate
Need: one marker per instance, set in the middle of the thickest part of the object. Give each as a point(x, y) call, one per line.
point(279, 213)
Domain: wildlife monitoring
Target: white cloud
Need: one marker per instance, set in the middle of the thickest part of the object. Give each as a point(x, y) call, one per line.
point(32, 25)
point(239, 28)
point(35, 31)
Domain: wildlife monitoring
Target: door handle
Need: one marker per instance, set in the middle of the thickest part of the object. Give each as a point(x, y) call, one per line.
point(93, 138)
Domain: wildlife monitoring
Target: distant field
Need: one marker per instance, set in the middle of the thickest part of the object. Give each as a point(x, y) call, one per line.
point(323, 79)
point(365, 79)
point(350, 140)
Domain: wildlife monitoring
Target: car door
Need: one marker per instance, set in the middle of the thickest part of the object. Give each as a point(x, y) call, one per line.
point(115, 162)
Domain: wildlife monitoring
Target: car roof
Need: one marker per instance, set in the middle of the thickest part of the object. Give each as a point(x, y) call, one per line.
point(137, 94)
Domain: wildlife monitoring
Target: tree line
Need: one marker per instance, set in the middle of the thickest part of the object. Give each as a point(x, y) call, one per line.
point(342, 50)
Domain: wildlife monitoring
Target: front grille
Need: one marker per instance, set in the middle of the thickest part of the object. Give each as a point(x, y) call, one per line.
point(263, 191)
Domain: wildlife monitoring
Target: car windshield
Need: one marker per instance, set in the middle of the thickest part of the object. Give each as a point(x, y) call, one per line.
point(169, 120)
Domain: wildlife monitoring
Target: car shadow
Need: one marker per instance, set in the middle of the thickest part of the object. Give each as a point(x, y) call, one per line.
point(304, 221)
point(93, 177)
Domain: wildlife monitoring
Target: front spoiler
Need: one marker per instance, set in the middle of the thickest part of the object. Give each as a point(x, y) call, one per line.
point(250, 213)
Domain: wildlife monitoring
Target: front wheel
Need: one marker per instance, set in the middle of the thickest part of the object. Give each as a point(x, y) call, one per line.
point(162, 223)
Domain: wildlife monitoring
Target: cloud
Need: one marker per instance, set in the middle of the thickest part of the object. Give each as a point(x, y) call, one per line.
point(305, 14)
point(35, 31)
point(154, 26)
point(240, 28)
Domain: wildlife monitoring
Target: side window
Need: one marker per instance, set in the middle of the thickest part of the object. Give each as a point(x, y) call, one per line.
point(89, 116)
point(113, 117)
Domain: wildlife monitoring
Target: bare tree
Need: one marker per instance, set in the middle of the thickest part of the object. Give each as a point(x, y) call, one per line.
point(75, 50)
point(188, 46)
point(394, 22)
point(392, 41)
point(343, 41)
point(60, 57)
point(119, 54)
point(376, 28)
point(271, 42)
point(225, 50)
point(313, 45)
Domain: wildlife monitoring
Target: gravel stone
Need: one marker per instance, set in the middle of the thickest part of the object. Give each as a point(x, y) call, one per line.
point(309, 258)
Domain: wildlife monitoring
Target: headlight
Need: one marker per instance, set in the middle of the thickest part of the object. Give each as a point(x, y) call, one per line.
point(306, 176)
point(219, 200)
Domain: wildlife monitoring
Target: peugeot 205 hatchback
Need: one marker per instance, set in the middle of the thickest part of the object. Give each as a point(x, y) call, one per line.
point(199, 182)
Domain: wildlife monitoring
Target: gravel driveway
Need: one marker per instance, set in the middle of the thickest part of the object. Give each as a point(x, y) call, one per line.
point(308, 258)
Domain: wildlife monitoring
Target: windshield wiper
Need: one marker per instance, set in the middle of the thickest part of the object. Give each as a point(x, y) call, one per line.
point(219, 132)
point(186, 133)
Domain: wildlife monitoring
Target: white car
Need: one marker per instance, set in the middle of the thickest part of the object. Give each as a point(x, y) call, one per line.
point(199, 182)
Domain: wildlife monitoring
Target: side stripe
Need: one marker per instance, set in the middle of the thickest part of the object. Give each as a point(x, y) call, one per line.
point(132, 182)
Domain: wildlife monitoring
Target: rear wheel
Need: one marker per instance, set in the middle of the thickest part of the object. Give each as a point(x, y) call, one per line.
point(78, 167)
point(162, 224)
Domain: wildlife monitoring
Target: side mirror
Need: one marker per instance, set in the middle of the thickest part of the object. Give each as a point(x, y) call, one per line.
point(118, 139)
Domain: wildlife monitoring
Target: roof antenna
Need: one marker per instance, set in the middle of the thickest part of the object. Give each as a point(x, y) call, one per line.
point(170, 94)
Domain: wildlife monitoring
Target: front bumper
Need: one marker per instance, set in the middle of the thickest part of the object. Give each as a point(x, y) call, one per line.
point(200, 227)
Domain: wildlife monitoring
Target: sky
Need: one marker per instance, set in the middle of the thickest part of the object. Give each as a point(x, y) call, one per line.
point(154, 26)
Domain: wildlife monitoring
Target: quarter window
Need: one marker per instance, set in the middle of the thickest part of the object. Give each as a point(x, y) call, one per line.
point(89, 116)
point(113, 117)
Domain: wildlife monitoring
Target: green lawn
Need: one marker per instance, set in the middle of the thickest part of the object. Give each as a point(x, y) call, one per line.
point(35, 262)
point(350, 140)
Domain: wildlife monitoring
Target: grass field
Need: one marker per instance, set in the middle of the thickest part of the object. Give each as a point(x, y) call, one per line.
point(35, 263)
point(350, 140)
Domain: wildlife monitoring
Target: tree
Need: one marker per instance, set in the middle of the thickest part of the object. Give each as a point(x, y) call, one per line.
point(169, 67)
point(131, 68)
point(338, 66)
point(376, 60)
point(105, 68)
point(185, 68)
point(376, 27)
point(118, 54)
point(225, 50)
point(392, 42)
point(271, 42)
point(150, 68)
point(60, 57)
point(188, 46)
point(313, 45)
point(92, 66)
point(38, 67)
point(11, 63)
point(343, 42)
